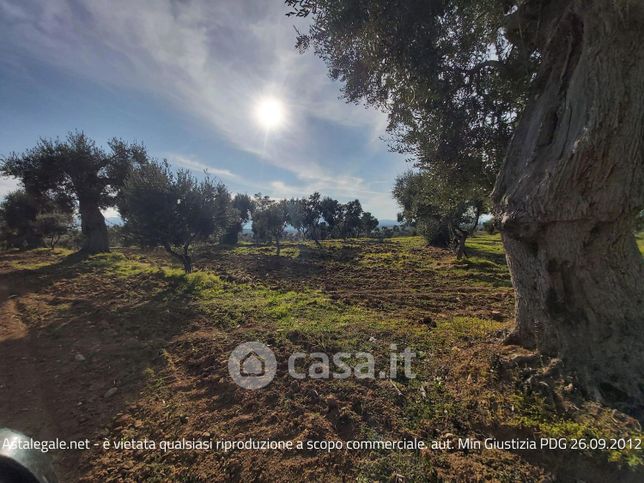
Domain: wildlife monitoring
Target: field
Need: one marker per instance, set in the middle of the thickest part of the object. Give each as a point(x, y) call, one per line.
point(125, 346)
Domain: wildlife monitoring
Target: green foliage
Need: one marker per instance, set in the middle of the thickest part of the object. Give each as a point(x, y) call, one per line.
point(443, 70)
point(75, 168)
point(18, 213)
point(331, 211)
point(28, 221)
point(53, 225)
point(243, 206)
point(345, 220)
point(77, 171)
point(368, 223)
point(270, 219)
point(451, 78)
point(173, 210)
point(443, 213)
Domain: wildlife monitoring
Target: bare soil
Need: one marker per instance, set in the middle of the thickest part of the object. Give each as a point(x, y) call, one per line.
point(72, 330)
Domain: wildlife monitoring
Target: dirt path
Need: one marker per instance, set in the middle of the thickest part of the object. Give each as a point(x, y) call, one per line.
point(24, 385)
point(70, 362)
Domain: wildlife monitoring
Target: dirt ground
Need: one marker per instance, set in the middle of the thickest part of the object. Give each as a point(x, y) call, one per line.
point(124, 347)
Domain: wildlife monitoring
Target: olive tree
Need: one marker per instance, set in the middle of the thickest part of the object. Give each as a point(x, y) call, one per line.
point(173, 210)
point(243, 206)
point(82, 171)
point(270, 218)
point(547, 97)
point(27, 221)
point(368, 223)
point(444, 213)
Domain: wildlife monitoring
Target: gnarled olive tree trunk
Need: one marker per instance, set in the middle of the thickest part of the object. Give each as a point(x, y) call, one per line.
point(567, 196)
point(93, 227)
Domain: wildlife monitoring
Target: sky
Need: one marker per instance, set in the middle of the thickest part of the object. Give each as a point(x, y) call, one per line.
point(186, 78)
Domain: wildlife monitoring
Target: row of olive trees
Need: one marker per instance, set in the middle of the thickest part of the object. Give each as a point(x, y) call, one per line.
point(159, 207)
point(314, 218)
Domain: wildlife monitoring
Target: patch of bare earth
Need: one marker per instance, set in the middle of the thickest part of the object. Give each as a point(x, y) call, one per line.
point(71, 333)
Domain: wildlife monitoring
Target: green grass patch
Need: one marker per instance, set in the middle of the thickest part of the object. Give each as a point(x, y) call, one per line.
point(309, 313)
point(119, 264)
point(485, 244)
point(534, 414)
point(22, 265)
point(459, 329)
point(46, 257)
point(288, 250)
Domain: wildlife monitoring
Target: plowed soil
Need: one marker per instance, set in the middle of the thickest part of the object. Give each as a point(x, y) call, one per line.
point(120, 348)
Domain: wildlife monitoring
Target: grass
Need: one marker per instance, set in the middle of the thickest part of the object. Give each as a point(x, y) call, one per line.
point(44, 258)
point(301, 317)
point(534, 414)
point(288, 249)
point(308, 313)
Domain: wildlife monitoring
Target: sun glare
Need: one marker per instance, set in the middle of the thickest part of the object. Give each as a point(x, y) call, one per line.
point(270, 113)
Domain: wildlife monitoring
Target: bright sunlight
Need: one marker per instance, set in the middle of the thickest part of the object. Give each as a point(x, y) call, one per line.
point(270, 113)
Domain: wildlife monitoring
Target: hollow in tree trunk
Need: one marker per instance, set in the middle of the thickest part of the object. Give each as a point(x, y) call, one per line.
point(568, 194)
point(93, 228)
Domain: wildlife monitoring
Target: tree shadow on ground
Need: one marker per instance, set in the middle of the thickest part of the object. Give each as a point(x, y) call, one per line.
point(70, 336)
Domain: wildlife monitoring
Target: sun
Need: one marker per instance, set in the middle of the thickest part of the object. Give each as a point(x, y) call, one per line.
point(269, 113)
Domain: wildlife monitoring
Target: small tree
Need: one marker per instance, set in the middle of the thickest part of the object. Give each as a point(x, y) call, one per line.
point(296, 213)
point(305, 216)
point(332, 213)
point(439, 207)
point(28, 221)
point(270, 219)
point(243, 206)
point(350, 223)
point(18, 212)
point(173, 210)
point(53, 225)
point(368, 223)
point(313, 218)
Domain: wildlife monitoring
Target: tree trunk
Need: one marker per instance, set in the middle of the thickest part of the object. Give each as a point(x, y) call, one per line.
point(184, 257)
point(568, 194)
point(187, 263)
point(461, 238)
point(93, 228)
point(277, 242)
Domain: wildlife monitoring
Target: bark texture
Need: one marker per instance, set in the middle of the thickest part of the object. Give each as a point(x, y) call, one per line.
point(93, 227)
point(568, 194)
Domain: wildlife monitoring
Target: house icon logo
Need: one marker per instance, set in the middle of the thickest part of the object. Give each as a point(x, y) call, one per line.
point(252, 365)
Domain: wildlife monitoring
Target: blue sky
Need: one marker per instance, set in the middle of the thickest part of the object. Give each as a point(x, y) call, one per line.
point(185, 77)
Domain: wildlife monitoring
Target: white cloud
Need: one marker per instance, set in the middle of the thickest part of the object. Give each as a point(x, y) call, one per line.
point(195, 165)
point(7, 185)
point(212, 59)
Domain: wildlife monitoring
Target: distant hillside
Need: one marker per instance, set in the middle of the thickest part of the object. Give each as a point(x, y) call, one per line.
point(388, 223)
